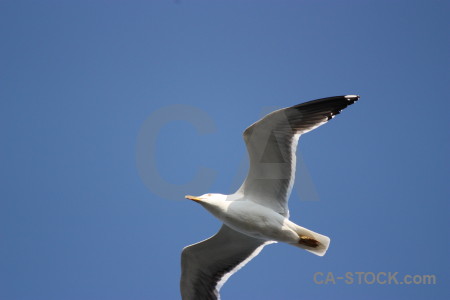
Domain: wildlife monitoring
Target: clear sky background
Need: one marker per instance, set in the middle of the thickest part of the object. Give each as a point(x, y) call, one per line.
point(85, 86)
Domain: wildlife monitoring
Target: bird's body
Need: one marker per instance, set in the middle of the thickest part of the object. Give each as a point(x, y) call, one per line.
point(258, 221)
point(257, 214)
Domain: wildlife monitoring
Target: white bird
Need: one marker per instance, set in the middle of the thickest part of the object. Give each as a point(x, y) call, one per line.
point(257, 213)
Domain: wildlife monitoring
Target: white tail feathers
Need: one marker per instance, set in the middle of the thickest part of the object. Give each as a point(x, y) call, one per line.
point(312, 241)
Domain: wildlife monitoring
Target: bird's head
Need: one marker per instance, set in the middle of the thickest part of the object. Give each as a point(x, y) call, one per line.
point(207, 198)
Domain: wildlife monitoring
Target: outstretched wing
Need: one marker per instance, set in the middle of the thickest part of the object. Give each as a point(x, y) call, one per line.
point(272, 143)
point(206, 266)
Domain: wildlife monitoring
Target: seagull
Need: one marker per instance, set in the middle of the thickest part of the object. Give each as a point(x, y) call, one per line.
point(257, 213)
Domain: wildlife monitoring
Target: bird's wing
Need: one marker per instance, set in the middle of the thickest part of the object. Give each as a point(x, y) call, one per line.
point(206, 266)
point(272, 143)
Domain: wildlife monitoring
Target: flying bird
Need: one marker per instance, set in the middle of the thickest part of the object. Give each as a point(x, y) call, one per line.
point(257, 213)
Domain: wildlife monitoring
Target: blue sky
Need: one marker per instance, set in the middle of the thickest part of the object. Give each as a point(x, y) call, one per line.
point(85, 86)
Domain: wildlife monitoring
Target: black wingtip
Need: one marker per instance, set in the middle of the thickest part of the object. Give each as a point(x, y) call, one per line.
point(325, 107)
point(352, 98)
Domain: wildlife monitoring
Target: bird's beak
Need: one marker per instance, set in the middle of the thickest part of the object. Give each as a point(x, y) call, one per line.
point(192, 198)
